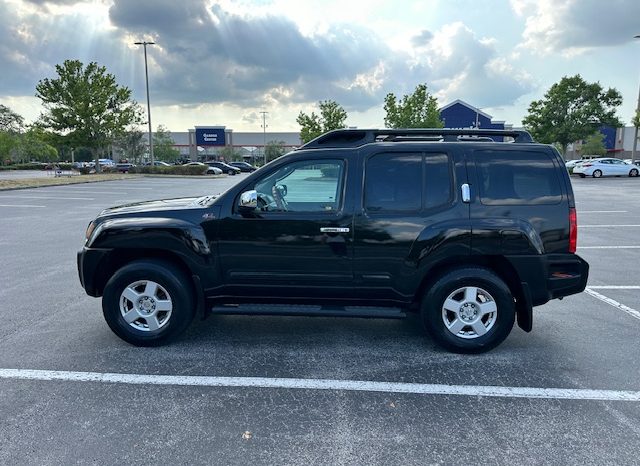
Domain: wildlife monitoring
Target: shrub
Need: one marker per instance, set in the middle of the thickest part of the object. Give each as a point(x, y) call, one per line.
point(173, 170)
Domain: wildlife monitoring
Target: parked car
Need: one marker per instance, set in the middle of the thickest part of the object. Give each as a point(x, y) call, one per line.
point(371, 223)
point(124, 167)
point(244, 166)
point(214, 171)
point(228, 169)
point(605, 166)
point(158, 163)
point(632, 162)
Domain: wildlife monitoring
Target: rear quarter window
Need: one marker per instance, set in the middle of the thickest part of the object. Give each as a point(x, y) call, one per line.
point(517, 178)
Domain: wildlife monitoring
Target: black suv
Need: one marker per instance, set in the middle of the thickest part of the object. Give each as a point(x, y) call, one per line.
point(465, 231)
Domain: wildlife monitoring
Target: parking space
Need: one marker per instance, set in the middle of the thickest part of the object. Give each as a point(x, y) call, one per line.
point(367, 391)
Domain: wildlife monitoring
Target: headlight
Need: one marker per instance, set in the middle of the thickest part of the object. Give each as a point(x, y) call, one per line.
point(90, 228)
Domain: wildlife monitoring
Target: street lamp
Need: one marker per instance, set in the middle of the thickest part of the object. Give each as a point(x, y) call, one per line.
point(264, 135)
point(635, 131)
point(146, 74)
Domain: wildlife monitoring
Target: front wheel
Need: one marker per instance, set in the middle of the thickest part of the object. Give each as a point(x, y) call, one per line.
point(633, 172)
point(597, 174)
point(148, 302)
point(468, 310)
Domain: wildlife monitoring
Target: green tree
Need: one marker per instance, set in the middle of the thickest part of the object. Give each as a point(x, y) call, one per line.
point(635, 121)
point(34, 146)
point(594, 145)
point(571, 110)
point(87, 106)
point(10, 121)
point(163, 145)
point(274, 149)
point(417, 110)
point(133, 145)
point(229, 154)
point(332, 116)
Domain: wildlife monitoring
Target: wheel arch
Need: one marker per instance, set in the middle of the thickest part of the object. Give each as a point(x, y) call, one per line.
point(118, 258)
point(498, 265)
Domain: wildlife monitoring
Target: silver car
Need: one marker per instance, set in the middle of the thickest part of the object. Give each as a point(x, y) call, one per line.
point(605, 167)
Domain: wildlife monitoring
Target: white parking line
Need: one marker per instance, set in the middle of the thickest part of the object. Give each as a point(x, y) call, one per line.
point(615, 287)
point(608, 247)
point(21, 205)
point(3, 196)
point(607, 226)
point(92, 192)
point(323, 384)
point(613, 302)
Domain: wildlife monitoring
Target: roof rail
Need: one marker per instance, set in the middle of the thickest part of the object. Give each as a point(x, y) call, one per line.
point(359, 137)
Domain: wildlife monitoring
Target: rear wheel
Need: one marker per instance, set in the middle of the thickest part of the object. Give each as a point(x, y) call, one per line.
point(597, 174)
point(633, 172)
point(582, 175)
point(148, 302)
point(468, 310)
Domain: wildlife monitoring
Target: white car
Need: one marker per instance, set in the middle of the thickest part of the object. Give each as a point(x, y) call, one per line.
point(605, 167)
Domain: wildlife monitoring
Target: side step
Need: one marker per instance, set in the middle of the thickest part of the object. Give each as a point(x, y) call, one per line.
point(309, 311)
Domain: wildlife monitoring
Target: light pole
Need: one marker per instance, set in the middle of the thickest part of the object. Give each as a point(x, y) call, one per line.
point(146, 75)
point(635, 131)
point(264, 135)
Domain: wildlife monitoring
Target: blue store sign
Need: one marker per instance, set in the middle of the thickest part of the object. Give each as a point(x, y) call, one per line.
point(210, 136)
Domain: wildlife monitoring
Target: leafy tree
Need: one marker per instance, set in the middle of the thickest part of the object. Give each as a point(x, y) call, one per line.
point(274, 150)
point(163, 145)
point(571, 110)
point(87, 106)
point(8, 144)
point(229, 154)
point(594, 145)
point(635, 121)
point(418, 110)
point(10, 121)
point(34, 146)
point(133, 145)
point(332, 116)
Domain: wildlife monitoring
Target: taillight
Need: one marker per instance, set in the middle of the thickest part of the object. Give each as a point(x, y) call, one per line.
point(573, 230)
point(587, 164)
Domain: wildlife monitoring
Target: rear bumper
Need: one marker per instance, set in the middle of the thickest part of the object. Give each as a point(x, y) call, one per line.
point(551, 276)
point(88, 263)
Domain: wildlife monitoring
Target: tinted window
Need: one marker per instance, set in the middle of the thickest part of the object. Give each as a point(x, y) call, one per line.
point(393, 182)
point(438, 180)
point(517, 178)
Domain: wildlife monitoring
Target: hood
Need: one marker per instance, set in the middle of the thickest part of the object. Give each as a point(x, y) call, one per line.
point(183, 203)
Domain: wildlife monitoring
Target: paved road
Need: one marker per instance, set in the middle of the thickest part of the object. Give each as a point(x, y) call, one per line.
point(22, 174)
point(48, 323)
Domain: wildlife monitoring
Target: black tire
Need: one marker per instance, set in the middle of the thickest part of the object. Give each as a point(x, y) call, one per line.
point(597, 174)
point(432, 310)
point(633, 172)
point(231, 172)
point(582, 175)
point(170, 279)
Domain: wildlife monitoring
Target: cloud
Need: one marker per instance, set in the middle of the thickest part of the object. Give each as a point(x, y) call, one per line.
point(574, 26)
point(422, 38)
point(207, 56)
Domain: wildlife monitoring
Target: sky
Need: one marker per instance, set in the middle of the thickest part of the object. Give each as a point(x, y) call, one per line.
point(223, 62)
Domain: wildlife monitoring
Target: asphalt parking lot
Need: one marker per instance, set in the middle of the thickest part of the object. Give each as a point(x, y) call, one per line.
point(297, 390)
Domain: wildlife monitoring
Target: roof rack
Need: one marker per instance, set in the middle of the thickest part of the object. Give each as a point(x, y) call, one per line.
point(359, 137)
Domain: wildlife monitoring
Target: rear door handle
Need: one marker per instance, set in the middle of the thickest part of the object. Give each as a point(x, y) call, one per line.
point(334, 230)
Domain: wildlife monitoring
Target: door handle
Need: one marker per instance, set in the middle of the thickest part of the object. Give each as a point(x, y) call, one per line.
point(334, 230)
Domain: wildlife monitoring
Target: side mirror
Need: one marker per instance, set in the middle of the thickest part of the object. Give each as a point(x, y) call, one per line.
point(249, 200)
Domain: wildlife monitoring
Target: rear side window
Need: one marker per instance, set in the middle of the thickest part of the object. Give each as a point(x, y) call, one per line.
point(517, 178)
point(407, 182)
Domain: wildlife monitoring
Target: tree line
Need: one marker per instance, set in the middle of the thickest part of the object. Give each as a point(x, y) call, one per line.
point(87, 111)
